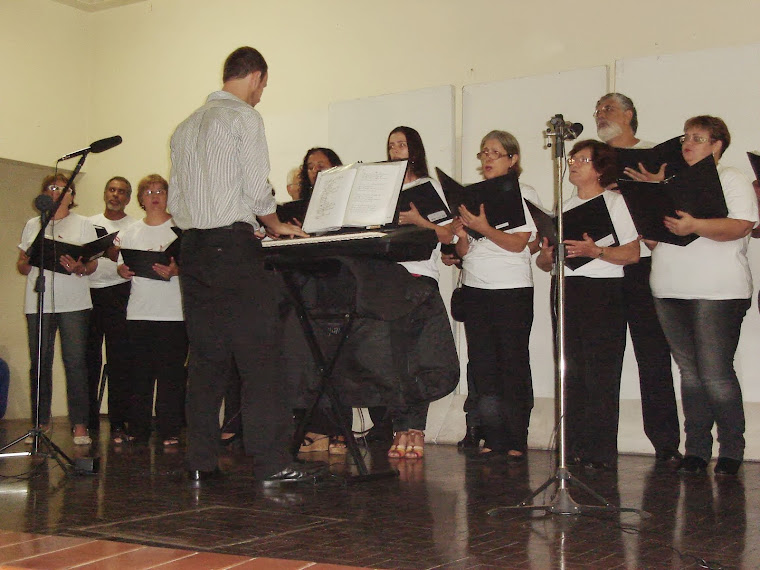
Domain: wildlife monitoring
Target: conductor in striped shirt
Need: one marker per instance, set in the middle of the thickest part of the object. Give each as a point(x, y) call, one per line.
point(220, 197)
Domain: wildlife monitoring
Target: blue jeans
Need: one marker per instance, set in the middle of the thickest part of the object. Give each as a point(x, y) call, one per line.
point(703, 336)
point(73, 327)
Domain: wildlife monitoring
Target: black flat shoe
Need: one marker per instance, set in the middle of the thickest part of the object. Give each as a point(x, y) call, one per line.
point(668, 456)
point(197, 475)
point(692, 465)
point(228, 441)
point(599, 465)
point(727, 466)
point(471, 439)
point(296, 473)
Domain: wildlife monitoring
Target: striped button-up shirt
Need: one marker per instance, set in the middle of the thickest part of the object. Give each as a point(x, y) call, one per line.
point(220, 164)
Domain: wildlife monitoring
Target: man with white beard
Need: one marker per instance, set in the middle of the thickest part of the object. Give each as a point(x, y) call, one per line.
point(616, 124)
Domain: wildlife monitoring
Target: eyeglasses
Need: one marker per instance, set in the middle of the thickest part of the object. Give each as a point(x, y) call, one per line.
point(491, 154)
point(54, 188)
point(580, 159)
point(606, 109)
point(699, 139)
point(155, 191)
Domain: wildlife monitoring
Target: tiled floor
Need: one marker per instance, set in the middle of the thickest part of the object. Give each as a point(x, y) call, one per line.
point(140, 512)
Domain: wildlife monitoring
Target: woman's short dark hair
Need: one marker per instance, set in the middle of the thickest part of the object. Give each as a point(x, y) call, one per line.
point(147, 182)
point(242, 62)
point(62, 180)
point(603, 159)
point(306, 186)
point(713, 125)
point(417, 157)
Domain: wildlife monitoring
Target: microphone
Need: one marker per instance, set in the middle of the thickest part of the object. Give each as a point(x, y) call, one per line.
point(98, 146)
point(575, 130)
point(43, 203)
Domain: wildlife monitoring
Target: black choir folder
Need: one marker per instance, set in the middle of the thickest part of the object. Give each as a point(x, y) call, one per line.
point(501, 199)
point(55, 249)
point(427, 201)
point(293, 210)
point(695, 190)
point(754, 160)
point(592, 218)
point(652, 158)
point(141, 261)
point(355, 195)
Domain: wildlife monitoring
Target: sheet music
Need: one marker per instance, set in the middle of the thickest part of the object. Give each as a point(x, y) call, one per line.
point(329, 200)
point(375, 194)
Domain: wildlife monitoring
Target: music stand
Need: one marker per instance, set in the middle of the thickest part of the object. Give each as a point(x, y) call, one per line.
point(562, 502)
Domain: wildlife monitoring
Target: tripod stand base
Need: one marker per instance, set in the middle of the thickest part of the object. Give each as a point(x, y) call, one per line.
point(42, 446)
point(562, 503)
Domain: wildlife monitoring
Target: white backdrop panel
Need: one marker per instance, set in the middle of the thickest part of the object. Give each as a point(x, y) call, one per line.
point(669, 89)
point(523, 106)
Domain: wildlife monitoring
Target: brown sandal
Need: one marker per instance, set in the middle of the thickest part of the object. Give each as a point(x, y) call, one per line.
point(416, 447)
point(399, 447)
point(314, 442)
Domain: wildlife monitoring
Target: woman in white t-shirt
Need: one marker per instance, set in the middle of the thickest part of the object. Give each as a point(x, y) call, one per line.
point(66, 309)
point(155, 322)
point(405, 143)
point(498, 292)
point(702, 292)
point(595, 322)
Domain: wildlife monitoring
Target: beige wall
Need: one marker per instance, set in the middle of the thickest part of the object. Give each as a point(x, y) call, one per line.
point(139, 70)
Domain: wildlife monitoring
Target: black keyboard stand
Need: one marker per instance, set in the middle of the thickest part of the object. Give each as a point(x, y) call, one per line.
point(325, 366)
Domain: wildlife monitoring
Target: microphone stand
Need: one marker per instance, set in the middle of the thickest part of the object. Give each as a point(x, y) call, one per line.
point(42, 445)
point(562, 502)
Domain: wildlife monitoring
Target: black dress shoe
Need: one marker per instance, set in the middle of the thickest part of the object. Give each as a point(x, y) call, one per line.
point(727, 466)
point(296, 473)
point(668, 456)
point(692, 465)
point(196, 475)
point(471, 439)
point(599, 465)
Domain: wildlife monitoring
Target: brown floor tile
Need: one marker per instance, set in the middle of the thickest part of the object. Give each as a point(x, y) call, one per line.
point(204, 561)
point(43, 545)
point(273, 564)
point(76, 555)
point(144, 557)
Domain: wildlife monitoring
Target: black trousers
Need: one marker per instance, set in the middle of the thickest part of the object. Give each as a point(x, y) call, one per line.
point(498, 329)
point(232, 313)
point(159, 352)
point(594, 347)
point(658, 398)
point(108, 319)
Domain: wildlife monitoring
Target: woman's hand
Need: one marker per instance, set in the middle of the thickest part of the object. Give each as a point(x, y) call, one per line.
point(411, 216)
point(478, 222)
point(643, 175)
point(166, 271)
point(683, 225)
point(583, 248)
point(22, 263)
point(74, 266)
point(545, 257)
point(124, 271)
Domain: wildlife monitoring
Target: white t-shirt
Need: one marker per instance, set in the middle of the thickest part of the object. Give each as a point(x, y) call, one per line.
point(624, 228)
point(105, 275)
point(152, 299)
point(63, 293)
point(708, 269)
point(488, 266)
point(428, 267)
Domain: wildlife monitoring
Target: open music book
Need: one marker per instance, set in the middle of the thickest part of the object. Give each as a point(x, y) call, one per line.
point(501, 199)
point(55, 249)
point(695, 189)
point(668, 152)
point(355, 195)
